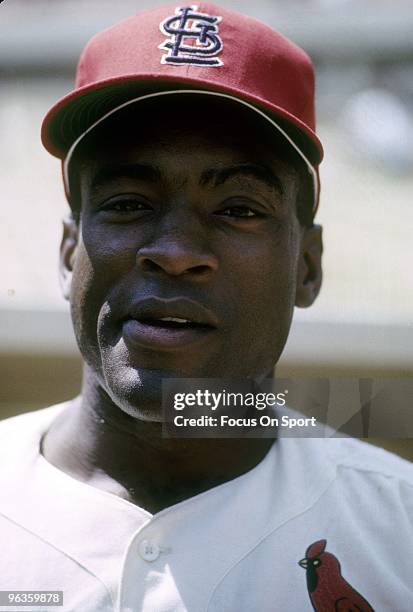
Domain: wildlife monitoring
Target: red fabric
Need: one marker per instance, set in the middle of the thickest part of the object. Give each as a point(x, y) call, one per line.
point(332, 593)
point(259, 65)
point(316, 549)
point(257, 60)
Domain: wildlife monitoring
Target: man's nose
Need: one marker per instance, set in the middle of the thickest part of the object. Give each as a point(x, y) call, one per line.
point(178, 249)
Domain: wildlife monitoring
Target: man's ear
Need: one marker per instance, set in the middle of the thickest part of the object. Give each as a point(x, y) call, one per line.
point(309, 272)
point(68, 248)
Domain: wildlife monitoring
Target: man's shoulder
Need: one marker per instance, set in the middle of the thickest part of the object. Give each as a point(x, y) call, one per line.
point(358, 456)
point(28, 420)
point(18, 431)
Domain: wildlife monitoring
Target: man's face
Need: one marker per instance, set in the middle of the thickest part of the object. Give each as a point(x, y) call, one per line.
point(187, 256)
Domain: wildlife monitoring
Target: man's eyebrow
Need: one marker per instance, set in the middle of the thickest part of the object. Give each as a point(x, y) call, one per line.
point(217, 176)
point(113, 172)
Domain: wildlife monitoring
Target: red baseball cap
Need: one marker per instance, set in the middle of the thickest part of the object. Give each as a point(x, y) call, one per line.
point(204, 49)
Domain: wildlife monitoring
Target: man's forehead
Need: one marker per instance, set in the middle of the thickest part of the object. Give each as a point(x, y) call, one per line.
point(206, 176)
point(185, 160)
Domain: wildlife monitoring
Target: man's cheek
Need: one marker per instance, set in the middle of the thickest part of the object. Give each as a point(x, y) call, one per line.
point(111, 244)
point(87, 295)
point(95, 268)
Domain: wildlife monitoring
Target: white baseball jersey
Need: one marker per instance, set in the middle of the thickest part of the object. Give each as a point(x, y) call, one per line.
point(341, 507)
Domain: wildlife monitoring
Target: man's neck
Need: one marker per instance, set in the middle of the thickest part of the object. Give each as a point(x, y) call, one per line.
point(96, 442)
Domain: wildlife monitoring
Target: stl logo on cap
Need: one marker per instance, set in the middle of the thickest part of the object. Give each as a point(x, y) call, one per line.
point(193, 38)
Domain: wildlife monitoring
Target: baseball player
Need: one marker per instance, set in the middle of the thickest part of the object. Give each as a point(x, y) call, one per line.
point(190, 163)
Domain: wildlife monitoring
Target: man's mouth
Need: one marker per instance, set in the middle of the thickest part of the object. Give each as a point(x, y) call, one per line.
point(173, 323)
point(161, 324)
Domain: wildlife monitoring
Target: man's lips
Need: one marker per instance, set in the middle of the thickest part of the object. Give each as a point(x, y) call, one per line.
point(167, 323)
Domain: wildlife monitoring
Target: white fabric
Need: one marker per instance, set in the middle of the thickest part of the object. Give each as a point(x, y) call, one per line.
point(234, 548)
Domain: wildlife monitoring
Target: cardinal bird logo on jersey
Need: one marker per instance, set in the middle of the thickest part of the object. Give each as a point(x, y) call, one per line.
point(328, 590)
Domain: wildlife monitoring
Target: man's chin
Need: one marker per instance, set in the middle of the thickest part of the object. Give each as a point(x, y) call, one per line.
point(138, 392)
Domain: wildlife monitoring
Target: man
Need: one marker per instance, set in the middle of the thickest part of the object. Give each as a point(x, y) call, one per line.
point(190, 163)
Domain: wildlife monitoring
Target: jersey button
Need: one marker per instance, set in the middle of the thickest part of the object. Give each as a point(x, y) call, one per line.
point(149, 551)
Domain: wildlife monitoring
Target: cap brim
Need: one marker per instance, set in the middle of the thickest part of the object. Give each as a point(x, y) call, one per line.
point(71, 116)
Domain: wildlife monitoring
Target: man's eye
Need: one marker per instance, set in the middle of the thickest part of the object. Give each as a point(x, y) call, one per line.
point(239, 211)
point(125, 206)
